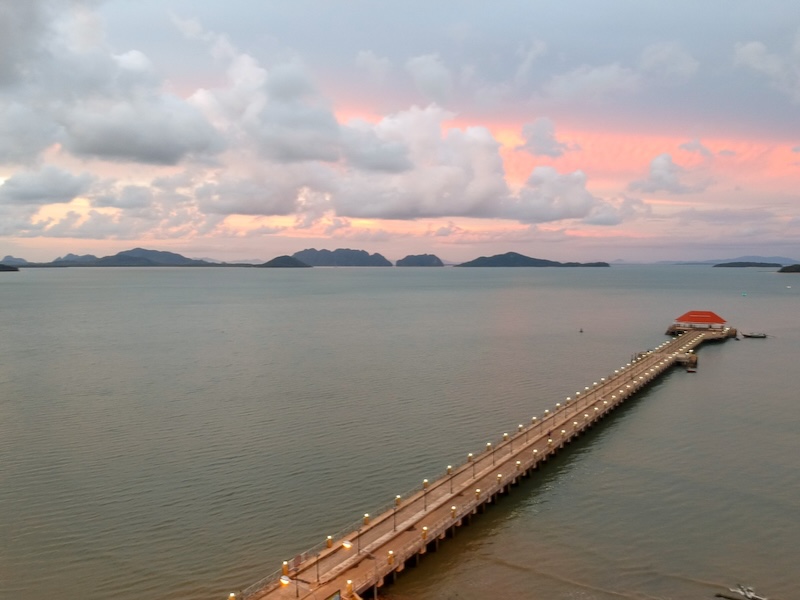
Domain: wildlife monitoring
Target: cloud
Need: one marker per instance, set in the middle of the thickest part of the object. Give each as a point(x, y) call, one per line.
point(587, 82)
point(540, 139)
point(725, 216)
point(668, 62)
point(431, 77)
point(278, 111)
point(129, 197)
point(22, 29)
point(551, 196)
point(364, 148)
point(666, 176)
point(528, 55)
point(696, 147)
point(47, 185)
point(377, 67)
point(158, 130)
point(458, 173)
point(783, 72)
point(23, 133)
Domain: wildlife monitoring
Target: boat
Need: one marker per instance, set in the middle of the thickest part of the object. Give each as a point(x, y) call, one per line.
point(747, 592)
point(754, 335)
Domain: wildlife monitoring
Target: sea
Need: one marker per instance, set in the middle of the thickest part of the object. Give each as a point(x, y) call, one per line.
point(176, 433)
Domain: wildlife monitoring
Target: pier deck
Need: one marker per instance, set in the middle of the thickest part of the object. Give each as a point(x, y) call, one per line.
point(360, 561)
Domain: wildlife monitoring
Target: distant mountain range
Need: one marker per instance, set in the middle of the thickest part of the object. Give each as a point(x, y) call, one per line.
point(342, 257)
point(346, 257)
point(781, 260)
point(138, 257)
point(513, 259)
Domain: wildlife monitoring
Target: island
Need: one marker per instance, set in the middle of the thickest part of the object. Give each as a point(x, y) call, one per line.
point(341, 257)
point(514, 259)
point(285, 262)
point(8, 267)
point(763, 265)
point(790, 269)
point(420, 260)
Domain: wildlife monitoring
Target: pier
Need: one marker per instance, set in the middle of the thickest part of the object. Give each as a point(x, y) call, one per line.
point(371, 552)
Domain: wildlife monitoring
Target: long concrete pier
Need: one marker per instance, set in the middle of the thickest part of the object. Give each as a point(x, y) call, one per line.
point(373, 551)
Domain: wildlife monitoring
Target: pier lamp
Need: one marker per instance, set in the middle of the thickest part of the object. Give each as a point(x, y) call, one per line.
point(450, 473)
point(575, 425)
point(558, 406)
point(366, 518)
point(470, 459)
point(347, 544)
point(477, 493)
point(520, 427)
point(533, 422)
point(397, 500)
point(232, 596)
point(425, 494)
point(563, 433)
point(546, 413)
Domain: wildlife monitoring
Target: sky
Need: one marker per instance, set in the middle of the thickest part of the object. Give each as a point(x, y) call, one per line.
point(579, 130)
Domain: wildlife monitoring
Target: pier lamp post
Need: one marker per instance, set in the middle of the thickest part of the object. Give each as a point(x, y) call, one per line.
point(450, 473)
point(470, 459)
point(489, 448)
point(533, 421)
point(397, 500)
point(425, 494)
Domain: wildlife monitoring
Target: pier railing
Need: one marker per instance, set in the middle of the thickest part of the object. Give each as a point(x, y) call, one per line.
point(567, 420)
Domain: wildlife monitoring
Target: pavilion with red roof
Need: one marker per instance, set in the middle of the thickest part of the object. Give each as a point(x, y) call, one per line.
point(700, 319)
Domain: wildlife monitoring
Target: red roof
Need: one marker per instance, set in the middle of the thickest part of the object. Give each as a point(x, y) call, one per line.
point(701, 316)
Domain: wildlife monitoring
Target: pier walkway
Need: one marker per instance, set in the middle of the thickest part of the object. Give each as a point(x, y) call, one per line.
point(377, 547)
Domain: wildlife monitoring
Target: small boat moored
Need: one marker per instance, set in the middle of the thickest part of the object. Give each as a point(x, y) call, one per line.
point(754, 335)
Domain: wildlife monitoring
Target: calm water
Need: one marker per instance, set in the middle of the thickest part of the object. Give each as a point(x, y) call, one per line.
point(177, 433)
